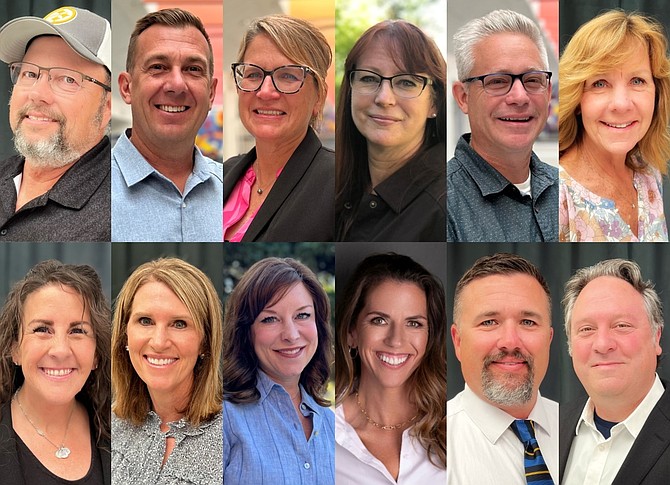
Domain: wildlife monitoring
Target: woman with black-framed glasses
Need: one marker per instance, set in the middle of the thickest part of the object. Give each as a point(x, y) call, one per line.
point(391, 131)
point(283, 189)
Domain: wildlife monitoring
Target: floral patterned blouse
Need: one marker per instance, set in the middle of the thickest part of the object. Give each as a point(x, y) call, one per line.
point(585, 216)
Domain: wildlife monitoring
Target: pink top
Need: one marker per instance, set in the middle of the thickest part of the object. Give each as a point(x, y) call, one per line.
point(237, 205)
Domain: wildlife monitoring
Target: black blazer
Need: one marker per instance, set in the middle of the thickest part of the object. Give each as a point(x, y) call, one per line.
point(300, 206)
point(648, 461)
point(10, 468)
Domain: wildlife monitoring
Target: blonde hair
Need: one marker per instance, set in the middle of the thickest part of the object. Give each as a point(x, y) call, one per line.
point(599, 45)
point(197, 293)
point(301, 42)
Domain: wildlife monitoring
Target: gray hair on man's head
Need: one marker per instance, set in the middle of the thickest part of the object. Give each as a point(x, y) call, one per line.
point(629, 271)
point(496, 22)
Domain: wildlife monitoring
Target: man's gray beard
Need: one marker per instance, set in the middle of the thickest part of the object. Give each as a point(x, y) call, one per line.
point(54, 152)
point(505, 389)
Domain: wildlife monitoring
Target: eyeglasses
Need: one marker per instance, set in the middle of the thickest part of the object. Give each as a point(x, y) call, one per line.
point(404, 85)
point(500, 83)
point(286, 79)
point(61, 79)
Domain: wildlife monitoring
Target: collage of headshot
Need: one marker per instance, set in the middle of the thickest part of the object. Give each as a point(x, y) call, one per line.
point(334, 242)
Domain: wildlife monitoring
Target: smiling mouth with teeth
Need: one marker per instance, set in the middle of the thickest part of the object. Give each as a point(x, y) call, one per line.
point(393, 360)
point(289, 351)
point(57, 372)
point(171, 109)
point(269, 112)
point(518, 120)
point(619, 125)
point(160, 361)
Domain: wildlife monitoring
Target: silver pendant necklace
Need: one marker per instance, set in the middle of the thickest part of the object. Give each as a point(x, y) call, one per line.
point(62, 451)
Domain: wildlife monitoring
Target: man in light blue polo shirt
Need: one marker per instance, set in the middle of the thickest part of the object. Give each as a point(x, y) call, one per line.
point(163, 188)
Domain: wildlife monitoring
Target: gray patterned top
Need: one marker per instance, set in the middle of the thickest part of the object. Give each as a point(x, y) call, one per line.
point(137, 452)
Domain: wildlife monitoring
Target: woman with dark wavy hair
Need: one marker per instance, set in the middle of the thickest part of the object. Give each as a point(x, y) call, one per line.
point(391, 130)
point(278, 354)
point(390, 374)
point(55, 330)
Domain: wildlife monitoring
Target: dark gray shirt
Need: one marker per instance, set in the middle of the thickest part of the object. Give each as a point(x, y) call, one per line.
point(76, 208)
point(483, 206)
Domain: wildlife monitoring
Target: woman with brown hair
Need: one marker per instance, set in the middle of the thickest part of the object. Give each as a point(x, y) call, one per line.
point(166, 376)
point(277, 427)
point(391, 132)
point(390, 374)
point(54, 378)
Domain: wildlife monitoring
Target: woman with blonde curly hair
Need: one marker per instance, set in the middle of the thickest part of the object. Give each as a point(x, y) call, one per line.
point(390, 375)
point(614, 143)
point(166, 376)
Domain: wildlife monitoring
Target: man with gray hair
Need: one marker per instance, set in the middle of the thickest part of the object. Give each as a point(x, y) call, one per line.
point(497, 188)
point(621, 433)
point(500, 430)
point(58, 187)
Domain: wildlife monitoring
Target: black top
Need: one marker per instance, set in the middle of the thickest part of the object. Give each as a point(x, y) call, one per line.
point(76, 208)
point(35, 472)
point(13, 462)
point(300, 206)
point(410, 205)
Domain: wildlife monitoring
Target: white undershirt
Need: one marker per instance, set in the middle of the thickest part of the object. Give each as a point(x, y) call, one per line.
point(524, 187)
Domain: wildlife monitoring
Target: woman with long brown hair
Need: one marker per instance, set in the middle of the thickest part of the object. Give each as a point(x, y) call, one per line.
point(390, 375)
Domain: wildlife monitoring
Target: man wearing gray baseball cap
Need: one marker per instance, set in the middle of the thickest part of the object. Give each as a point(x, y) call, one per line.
point(58, 187)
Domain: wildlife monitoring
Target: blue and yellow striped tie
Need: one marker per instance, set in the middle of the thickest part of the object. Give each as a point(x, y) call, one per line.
point(533, 461)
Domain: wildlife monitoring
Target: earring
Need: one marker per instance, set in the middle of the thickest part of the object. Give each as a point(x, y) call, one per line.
point(202, 356)
point(353, 352)
point(17, 364)
point(434, 115)
point(127, 349)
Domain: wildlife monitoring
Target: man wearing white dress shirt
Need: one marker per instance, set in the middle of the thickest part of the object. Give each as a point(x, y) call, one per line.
point(501, 334)
point(621, 433)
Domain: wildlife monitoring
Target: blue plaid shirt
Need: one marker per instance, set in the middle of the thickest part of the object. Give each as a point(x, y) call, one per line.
point(264, 442)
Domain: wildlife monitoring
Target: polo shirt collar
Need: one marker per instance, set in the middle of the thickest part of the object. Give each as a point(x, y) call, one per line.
point(78, 184)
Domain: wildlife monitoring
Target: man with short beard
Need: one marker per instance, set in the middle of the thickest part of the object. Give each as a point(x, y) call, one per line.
point(499, 429)
point(58, 187)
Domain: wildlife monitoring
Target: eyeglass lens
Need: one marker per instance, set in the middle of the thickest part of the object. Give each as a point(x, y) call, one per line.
point(62, 80)
point(404, 85)
point(287, 79)
point(498, 84)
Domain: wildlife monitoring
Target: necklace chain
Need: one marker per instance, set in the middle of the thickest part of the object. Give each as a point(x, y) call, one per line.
point(62, 451)
point(260, 190)
point(383, 426)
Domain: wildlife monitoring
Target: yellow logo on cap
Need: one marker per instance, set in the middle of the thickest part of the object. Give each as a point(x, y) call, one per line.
point(61, 15)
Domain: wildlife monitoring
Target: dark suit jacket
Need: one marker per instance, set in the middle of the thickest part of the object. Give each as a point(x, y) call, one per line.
point(648, 461)
point(10, 467)
point(300, 206)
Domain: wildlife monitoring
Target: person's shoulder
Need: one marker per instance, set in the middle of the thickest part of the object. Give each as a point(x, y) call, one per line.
point(544, 167)
point(326, 154)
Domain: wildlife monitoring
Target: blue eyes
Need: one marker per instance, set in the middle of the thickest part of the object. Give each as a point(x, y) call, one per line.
point(274, 319)
point(146, 322)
